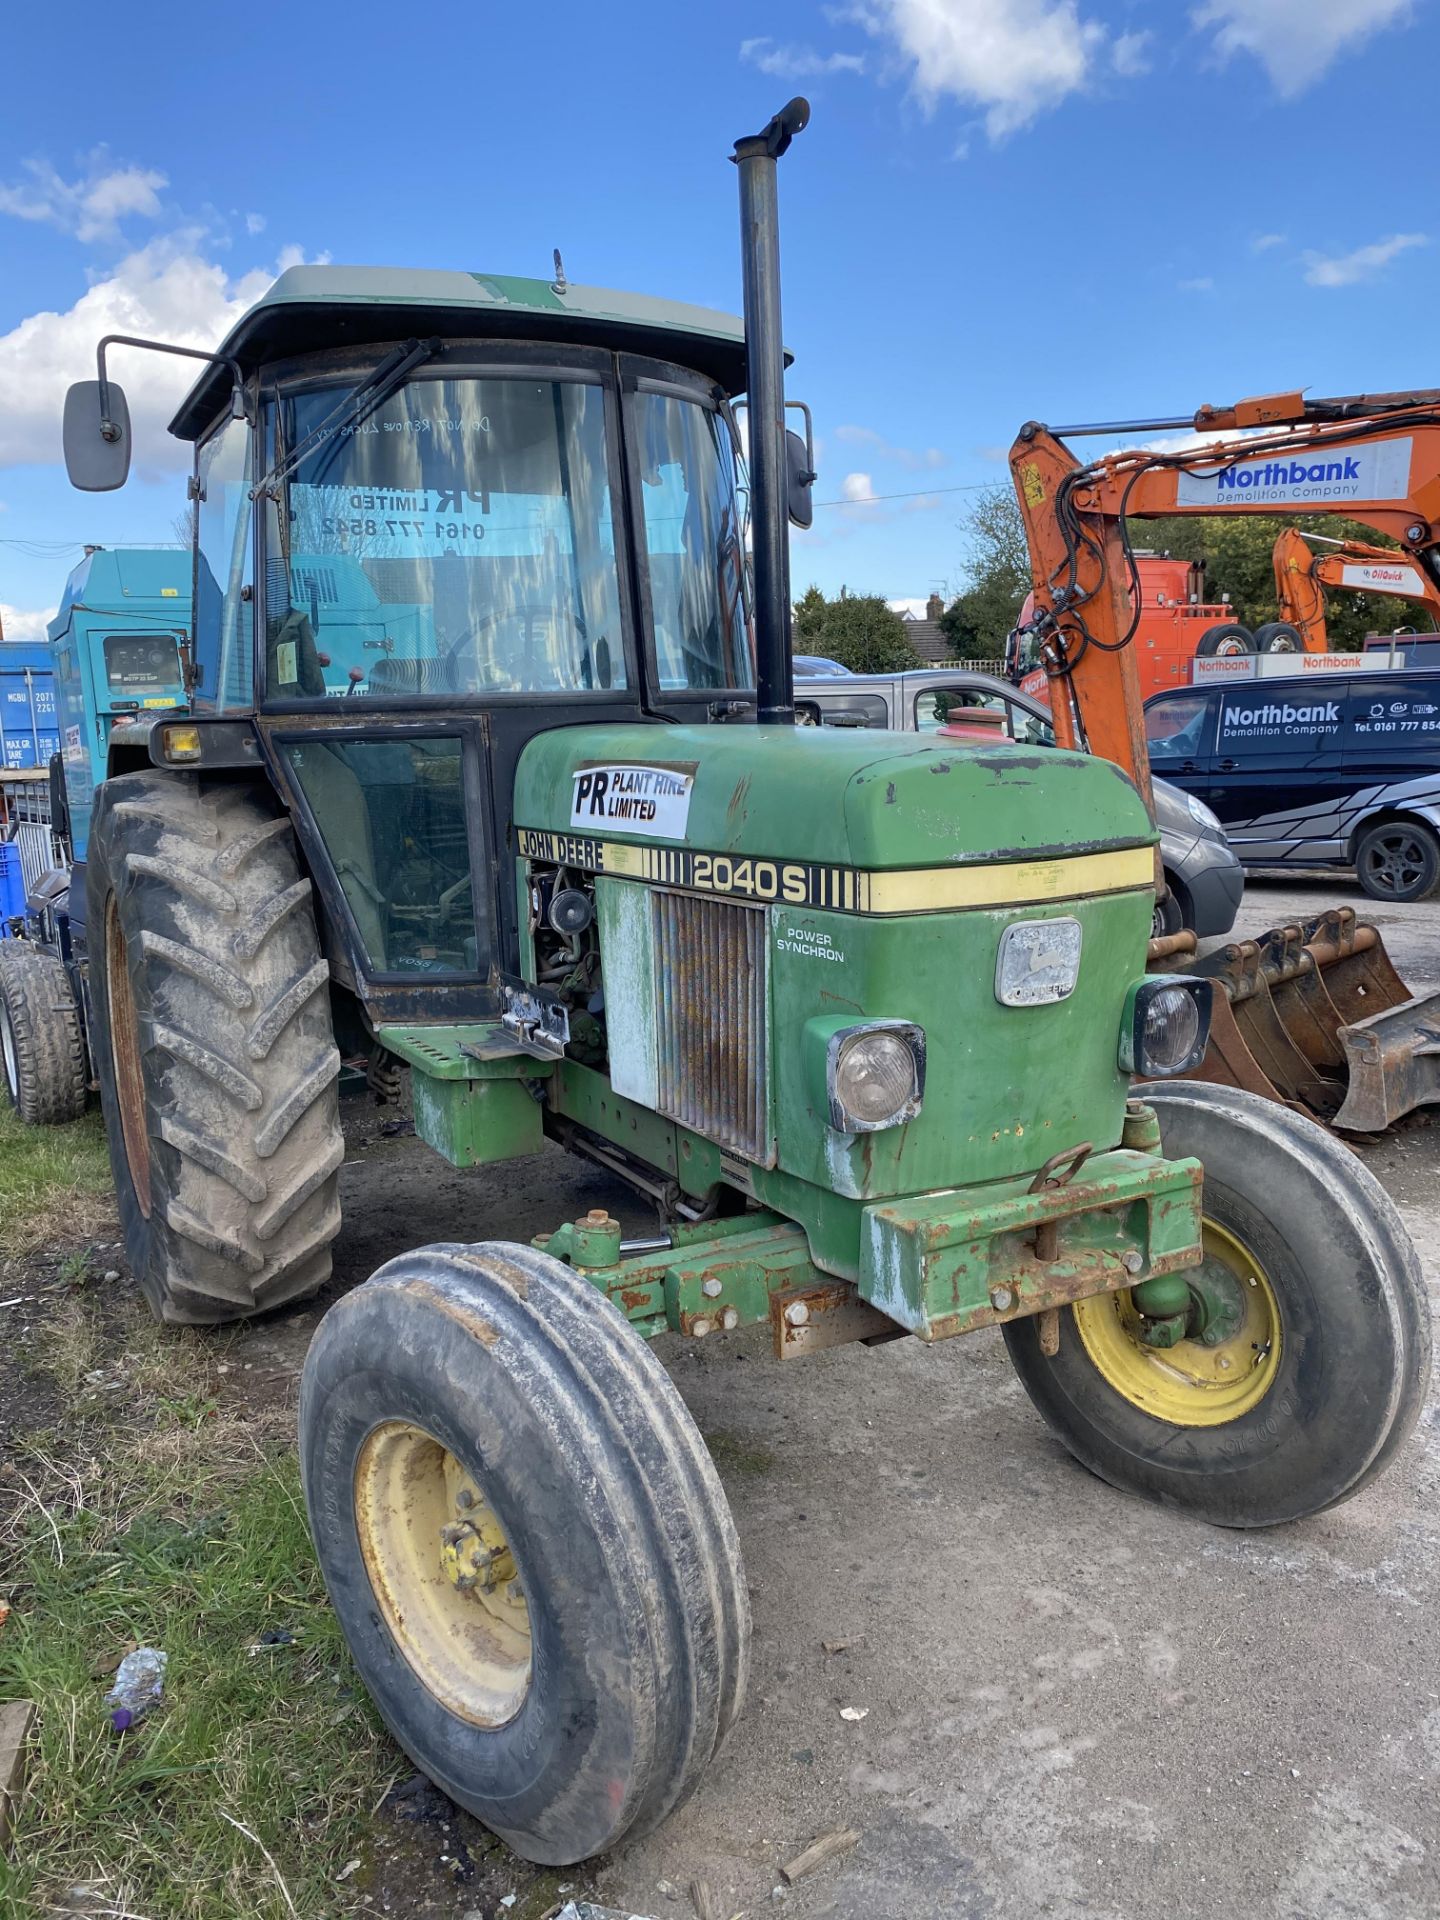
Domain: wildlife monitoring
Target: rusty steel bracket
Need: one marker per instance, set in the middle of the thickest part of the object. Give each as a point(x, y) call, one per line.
point(830, 1314)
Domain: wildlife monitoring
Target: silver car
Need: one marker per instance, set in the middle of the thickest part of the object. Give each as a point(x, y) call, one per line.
point(1206, 881)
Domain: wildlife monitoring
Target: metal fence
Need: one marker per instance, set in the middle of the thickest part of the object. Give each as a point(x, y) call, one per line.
point(25, 821)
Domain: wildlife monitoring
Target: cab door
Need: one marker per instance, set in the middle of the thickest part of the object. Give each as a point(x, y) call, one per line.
point(1180, 735)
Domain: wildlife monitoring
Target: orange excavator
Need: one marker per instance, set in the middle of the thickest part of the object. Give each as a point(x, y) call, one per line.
point(1312, 1015)
point(1303, 576)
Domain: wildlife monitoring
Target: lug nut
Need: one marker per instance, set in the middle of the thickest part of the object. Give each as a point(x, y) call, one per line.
point(797, 1313)
point(730, 1318)
point(699, 1328)
point(710, 1288)
point(1002, 1299)
point(464, 1499)
point(597, 1217)
point(1132, 1261)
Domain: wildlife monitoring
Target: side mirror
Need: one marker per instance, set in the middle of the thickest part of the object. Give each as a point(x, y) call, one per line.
point(97, 438)
point(799, 481)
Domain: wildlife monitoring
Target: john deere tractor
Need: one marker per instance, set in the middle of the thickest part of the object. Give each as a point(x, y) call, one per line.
point(490, 776)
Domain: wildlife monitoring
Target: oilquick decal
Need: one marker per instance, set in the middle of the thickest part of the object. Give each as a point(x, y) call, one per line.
point(654, 801)
point(1383, 577)
point(1379, 471)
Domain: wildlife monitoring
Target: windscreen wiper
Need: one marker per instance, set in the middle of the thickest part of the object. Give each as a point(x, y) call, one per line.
point(352, 411)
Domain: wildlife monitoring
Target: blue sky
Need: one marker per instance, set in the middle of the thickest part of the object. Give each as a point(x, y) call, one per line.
point(1003, 209)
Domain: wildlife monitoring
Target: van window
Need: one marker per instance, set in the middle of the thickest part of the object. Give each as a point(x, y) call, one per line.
point(1029, 729)
point(1383, 717)
point(842, 710)
point(1177, 728)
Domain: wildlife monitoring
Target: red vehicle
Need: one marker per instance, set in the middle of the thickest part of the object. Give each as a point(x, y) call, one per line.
point(1176, 624)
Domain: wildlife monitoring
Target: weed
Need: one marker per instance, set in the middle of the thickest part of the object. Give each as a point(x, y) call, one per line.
point(53, 1181)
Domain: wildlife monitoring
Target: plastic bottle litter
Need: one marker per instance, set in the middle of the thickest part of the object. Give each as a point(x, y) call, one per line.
point(139, 1685)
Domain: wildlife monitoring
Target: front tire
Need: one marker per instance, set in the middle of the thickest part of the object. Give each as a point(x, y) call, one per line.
point(41, 1045)
point(1329, 1350)
point(213, 1047)
point(491, 1380)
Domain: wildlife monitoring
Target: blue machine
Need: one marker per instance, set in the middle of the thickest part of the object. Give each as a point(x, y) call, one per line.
point(120, 646)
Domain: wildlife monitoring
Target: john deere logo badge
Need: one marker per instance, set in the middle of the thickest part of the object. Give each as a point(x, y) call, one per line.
point(654, 801)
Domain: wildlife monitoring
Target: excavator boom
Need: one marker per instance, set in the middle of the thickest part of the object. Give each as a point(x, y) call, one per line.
point(1373, 458)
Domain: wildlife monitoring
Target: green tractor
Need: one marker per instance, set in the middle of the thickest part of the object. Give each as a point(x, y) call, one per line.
point(490, 775)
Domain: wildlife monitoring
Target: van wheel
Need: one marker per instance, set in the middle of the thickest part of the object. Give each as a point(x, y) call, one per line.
point(1278, 636)
point(1168, 916)
point(1398, 860)
point(1226, 640)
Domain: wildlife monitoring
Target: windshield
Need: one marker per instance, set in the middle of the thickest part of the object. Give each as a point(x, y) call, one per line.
point(458, 541)
point(461, 541)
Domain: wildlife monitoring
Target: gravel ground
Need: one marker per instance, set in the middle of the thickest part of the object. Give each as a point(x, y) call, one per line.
point(1074, 1705)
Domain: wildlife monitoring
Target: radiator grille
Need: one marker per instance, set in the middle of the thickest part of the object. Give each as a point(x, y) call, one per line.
point(711, 1050)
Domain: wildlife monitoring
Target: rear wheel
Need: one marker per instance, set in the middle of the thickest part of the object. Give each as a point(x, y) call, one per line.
point(1225, 640)
point(41, 1045)
point(1398, 860)
point(526, 1545)
point(1307, 1347)
point(1278, 636)
point(213, 1047)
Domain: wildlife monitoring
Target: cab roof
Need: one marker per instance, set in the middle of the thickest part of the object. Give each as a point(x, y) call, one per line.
point(310, 309)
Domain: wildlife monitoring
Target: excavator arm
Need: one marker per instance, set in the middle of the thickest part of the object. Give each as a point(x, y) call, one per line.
point(1373, 458)
point(1302, 578)
point(1314, 1016)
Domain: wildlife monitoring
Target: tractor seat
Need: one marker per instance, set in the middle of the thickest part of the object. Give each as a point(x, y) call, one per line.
point(411, 676)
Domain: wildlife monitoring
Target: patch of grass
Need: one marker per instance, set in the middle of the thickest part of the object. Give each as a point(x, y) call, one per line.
point(54, 1182)
point(732, 1454)
point(156, 1517)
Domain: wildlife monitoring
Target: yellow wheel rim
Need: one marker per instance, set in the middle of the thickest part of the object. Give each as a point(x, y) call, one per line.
point(1191, 1384)
point(443, 1574)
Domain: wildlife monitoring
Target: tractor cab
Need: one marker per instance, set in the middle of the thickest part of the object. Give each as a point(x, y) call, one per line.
point(439, 513)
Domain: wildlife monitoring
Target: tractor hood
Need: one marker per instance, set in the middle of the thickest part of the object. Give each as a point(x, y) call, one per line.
point(857, 798)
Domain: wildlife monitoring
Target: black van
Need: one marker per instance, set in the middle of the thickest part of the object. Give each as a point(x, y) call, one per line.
point(1339, 769)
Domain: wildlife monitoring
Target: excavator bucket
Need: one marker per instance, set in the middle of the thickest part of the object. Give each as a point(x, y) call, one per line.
point(1315, 1016)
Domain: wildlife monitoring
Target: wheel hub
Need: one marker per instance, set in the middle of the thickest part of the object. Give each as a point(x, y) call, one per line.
point(1204, 1366)
point(443, 1574)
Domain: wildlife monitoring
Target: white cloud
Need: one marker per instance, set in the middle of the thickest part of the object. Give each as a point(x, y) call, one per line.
point(254, 223)
point(906, 457)
point(1130, 55)
point(797, 63)
point(91, 207)
point(1013, 58)
point(21, 623)
point(1347, 269)
point(1264, 242)
point(165, 291)
point(1295, 40)
point(1202, 284)
point(915, 608)
point(857, 489)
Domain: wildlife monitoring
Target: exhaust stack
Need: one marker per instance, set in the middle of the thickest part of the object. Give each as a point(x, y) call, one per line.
point(756, 156)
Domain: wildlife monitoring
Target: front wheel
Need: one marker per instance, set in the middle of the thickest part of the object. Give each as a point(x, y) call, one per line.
point(526, 1545)
point(1307, 1348)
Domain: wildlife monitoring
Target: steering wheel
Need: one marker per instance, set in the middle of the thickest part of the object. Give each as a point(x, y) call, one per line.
point(528, 615)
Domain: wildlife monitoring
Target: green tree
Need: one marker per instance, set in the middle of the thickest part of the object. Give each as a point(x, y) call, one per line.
point(857, 629)
point(997, 571)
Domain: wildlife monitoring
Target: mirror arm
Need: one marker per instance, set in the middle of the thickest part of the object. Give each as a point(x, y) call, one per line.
point(108, 429)
point(811, 476)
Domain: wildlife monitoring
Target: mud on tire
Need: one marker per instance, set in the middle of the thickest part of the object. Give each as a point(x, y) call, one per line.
point(213, 1047)
point(46, 1078)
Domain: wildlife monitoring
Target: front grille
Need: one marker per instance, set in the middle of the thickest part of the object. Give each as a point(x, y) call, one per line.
point(712, 1049)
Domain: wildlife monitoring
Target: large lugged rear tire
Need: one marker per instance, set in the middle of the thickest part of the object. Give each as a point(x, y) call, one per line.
point(1304, 1396)
point(41, 1045)
point(486, 1402)
point(213, 1047)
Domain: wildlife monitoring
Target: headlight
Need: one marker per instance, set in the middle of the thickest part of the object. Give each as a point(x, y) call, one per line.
point(1167, 1025)
point(875, 1075)
point(1038, 962)
point(1202, 815)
